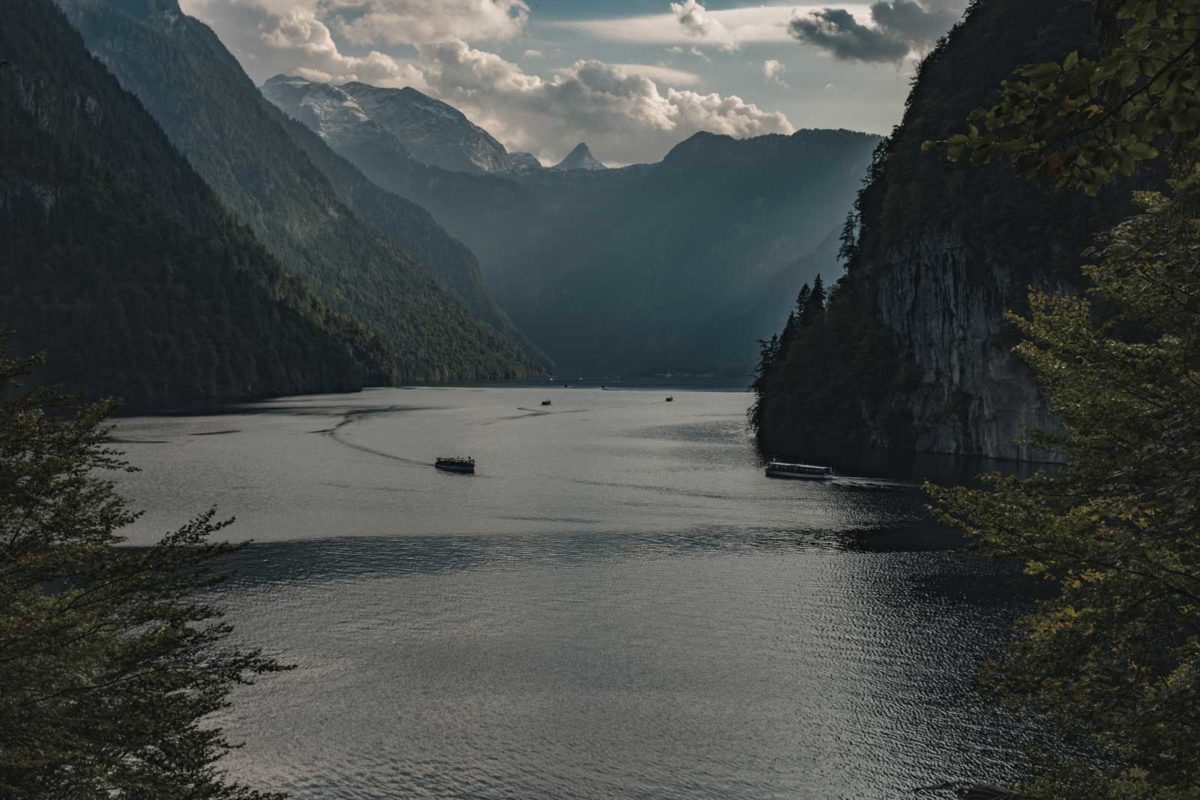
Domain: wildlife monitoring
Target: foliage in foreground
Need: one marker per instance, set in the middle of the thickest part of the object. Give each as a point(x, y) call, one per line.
point(1084, 121)
point(1116, 652)
point(108, 662)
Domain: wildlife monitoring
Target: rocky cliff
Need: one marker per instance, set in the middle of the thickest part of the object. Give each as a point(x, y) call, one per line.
point(938, 253)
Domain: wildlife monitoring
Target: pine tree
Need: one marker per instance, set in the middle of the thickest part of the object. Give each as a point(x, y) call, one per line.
point(848, 248)
point(813, 308)
point(769, 351)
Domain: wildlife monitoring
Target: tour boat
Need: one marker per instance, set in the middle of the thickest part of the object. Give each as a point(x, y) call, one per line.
point(804, 472)
point(545, 402)
point(463, 466)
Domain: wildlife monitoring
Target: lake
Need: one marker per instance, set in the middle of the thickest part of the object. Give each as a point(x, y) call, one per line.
point(619, 604)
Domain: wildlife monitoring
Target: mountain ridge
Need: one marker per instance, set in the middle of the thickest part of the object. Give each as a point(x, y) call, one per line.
point(434, 132)
point(120, 262)
point(241, 146)
point(736, 211)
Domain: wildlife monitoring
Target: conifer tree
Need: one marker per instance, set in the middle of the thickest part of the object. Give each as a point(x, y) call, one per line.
point(1114, 650)
point(813, 307)
point(110, 661)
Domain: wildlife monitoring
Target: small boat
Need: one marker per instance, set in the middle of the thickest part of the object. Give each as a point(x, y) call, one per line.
point(463, 466)
point(545, 402)
point(804, 472)
point(670, 399)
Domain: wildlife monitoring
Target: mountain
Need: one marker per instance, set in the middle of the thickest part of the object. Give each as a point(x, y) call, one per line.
point(638, 270)
point(646, 269)
point(914, 352)
point(415, 125)
point(243, 147)
point(120, 262)
point(483, 209)
point(411, 228)
point(580, 158)
point(434, 132)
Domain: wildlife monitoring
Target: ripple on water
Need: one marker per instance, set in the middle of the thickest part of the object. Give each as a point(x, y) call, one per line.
point(619, 605)
point(702, 665)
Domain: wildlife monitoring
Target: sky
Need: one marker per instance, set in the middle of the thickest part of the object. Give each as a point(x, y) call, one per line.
point(632, 78)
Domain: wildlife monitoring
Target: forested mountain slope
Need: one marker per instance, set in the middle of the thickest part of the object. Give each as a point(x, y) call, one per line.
point(634, 271)
point(238, 142)
point(913, 351)
point(492, 214)
point(653, 269)
point(118, 260)
point(411, 228)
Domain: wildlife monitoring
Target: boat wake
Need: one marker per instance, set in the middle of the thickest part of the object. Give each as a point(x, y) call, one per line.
point(350, 417)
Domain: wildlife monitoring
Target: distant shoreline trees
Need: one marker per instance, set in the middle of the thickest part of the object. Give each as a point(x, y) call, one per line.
point(828, 351)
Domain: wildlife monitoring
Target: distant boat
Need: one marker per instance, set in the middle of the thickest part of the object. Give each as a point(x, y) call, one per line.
point(463, 466)
point(545, 402)
point(803, 472)
point(670, 399)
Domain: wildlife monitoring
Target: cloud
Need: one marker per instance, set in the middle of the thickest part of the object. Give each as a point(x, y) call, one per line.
point(773, 71)
point(696, 51)
point(662, 74)
point(300, 33)
point(626, 112)
point(898, 28)
point(373, 22)
point(837, 31)
point(619, 110)
point(736, 27)
point(921, 23)
point(698, 24)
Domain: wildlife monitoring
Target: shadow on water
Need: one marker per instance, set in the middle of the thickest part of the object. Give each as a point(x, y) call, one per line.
point(354, 557)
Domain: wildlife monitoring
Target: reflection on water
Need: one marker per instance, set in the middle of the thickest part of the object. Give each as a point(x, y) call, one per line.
point(620, 605)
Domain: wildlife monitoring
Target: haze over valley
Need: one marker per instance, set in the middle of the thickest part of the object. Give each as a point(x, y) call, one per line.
point(588, 399)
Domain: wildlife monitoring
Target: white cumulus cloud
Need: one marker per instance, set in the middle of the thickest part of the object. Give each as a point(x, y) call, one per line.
point(298, 33)
point(620, 112)
point(626, 112)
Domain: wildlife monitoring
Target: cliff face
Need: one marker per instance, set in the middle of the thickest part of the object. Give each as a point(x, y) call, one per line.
point(947, 305)
point(946, 250)
point(940, 253)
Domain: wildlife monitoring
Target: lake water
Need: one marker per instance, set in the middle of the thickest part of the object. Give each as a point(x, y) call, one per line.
point(618, 605)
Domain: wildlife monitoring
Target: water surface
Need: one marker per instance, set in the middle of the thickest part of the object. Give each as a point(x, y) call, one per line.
point(618, 605)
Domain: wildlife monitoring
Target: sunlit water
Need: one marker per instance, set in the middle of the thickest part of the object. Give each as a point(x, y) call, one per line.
point(618, 605)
